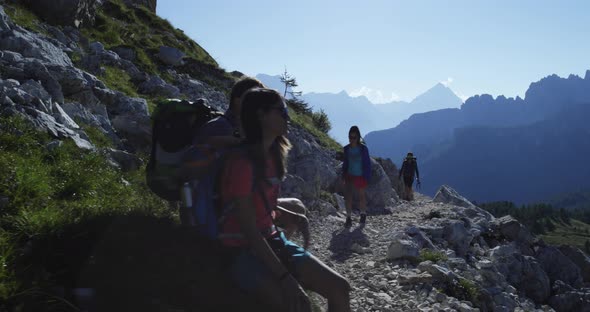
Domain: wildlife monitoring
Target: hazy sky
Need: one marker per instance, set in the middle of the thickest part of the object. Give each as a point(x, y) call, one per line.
point(392, 50)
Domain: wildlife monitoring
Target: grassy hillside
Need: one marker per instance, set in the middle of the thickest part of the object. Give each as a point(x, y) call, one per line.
point(575, 233)
point(46, 189)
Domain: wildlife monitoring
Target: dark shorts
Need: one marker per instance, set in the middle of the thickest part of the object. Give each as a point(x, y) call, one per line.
point(248, 271)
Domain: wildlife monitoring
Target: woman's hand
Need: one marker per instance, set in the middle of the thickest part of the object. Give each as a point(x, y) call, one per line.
point(294, 297)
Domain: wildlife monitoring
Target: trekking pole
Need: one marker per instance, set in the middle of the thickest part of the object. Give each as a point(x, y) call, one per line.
point(419, 185)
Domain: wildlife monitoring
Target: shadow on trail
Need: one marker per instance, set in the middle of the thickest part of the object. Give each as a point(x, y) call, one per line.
point(343, 240)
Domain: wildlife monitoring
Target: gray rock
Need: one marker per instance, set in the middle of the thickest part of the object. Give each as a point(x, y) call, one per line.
point(9, 83)
point(96, 48)
point(308, 160)
point(511, 229)
point(403, 248)
point(35, 69)
point(158, 87)
point(30, 44)
point(65, 12)
point(457, 236)
point(10, 56)
point(19, 97)
point(136, 129)
point(415, 279)
point(170, 56)
point(380, 192)
point(448, 195)
point(35, 89)
point(558, 266)
point(5, 101)
point(579, 258)
point(126, 161)
point(5, 21)
point(438, 272)
point(125, 52)
point(62, 117)
point(419, 237)
point(523, 272)
point(124, 105)
point(292, 187)
point(43, 121)
point(571, 301)
point(51, 146)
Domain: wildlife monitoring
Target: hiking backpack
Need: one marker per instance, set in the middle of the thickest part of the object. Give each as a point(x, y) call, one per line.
point(174, 159)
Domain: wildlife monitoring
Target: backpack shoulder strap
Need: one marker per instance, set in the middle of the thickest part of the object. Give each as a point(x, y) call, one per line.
point(256, 188)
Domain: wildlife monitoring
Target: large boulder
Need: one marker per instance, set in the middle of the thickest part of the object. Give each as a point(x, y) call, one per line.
point(512, 230)
point(130, 117)
point(448, 195)
point(403, 248)
point(392, 172)
point(457, 235)
point(158, 87)
point(312, 163)
point(170, 56)
point(380, 193)
point(65, 12)
point(579, 258)
point(27, 44)
point(558, 266)
point(523, 272)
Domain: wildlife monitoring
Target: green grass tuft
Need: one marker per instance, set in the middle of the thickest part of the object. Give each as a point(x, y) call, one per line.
point(23, 17)
point(577, 233)
point(118, 79)
point(431, 255)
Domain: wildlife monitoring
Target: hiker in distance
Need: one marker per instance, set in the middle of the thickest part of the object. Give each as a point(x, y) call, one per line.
point(263, 262)
point(356, 172)
point(409, 167)
point(225, 132)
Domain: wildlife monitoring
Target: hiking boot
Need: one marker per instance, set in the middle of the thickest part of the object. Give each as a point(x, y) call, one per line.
point(363, 218)
point(348, 222)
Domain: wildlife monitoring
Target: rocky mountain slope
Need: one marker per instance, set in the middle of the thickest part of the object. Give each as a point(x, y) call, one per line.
point(62, 81)
point(445, 254)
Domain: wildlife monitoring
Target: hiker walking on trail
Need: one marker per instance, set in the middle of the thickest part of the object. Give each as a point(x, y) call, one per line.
point(226, 131)
point(356, 172)
point(409, 167)
point(263, 262)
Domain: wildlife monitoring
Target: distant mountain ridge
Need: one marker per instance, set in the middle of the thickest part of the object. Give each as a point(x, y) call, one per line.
point(345, 111)
point(503, 148)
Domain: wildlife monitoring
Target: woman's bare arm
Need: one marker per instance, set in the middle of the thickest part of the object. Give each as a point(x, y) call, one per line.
point(246, 216)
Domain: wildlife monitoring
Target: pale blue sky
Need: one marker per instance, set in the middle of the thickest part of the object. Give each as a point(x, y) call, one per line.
point(399, 49)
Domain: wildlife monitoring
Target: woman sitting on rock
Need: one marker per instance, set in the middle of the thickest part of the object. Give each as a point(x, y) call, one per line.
point(264, 263)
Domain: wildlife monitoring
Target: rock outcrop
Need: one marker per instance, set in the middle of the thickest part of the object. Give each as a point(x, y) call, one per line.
point(65, 12)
